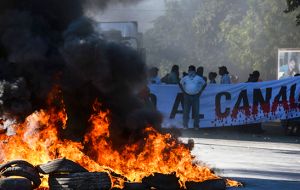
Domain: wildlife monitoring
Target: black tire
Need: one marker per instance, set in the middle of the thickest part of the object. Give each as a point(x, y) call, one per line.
point(135, 186)
point(214, 184)
point(24, 171)
point(15, 184)
point(80, 181)
point(60, 166)
point(15, 162)
point(162, 181)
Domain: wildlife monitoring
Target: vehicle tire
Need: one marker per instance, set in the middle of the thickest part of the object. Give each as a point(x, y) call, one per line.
point(17, 163)
point(135, 186)
point(214, 184)
point(15, 184)
point(80, 181)
point(60, 166)
point(24, 171)
point(162, 181)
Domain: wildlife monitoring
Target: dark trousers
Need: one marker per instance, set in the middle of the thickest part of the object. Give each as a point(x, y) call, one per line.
point(190, 101)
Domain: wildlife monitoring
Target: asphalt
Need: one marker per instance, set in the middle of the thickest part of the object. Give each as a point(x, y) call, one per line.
point(269, 160)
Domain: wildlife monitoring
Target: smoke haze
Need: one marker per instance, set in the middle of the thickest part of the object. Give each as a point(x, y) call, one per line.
point(43, 43)
point(144, 12)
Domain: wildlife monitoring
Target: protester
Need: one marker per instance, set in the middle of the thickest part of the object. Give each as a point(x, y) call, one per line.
point(225, 78)
point(254, 77)
point(146, 98)
point(212, 77)
point(200, 72)
point(291, 126)
point(153, 76)
point(172, 77)
point(256, 127)
point(192, 86)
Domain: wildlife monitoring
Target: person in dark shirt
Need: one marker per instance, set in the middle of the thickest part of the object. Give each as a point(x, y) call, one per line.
point(200, 71)
point(172, 77)
point(212, 77)
point(254, 77)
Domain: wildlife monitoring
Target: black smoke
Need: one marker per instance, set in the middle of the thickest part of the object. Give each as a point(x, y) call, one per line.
point(49, 42)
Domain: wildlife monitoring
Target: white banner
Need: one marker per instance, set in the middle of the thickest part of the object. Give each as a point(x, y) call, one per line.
point(234, 104)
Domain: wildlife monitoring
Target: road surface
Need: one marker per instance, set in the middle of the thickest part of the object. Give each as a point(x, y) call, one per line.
point(268, 161)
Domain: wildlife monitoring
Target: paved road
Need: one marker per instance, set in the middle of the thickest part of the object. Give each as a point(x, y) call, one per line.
point(268, 161)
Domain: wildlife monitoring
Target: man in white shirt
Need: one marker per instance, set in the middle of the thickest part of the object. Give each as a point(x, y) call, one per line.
point(192, 86)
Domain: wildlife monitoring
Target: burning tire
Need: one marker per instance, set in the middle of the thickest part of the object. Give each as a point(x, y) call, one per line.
point(80, 181)
point(162, 181)
point(16, 163)
point(135, 186)
point(24, 171)
point(20, 168)
point(15, 184)
point(216, 184)
point(60, 166)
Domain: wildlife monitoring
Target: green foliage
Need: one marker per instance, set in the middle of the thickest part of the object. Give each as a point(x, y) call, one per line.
point(244, 35)
point(171, 40)
point(254, 42)
point(292, 5)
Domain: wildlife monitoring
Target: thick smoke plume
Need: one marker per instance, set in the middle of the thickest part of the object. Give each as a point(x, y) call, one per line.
point(50, 42)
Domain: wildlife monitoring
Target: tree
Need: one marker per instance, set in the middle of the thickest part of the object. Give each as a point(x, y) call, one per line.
point(242, 35)
point(212, 49)
point(292, 5)
point(254, 42)
point(171, 40)
point(189, 33)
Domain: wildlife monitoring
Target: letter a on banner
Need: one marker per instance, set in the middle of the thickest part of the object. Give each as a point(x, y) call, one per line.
point(175, 108)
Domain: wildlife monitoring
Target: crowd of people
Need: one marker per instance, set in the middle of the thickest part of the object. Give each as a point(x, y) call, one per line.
point(192, 84)
point(173, 77)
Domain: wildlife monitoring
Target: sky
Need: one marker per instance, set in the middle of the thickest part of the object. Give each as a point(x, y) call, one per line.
point(145, 12)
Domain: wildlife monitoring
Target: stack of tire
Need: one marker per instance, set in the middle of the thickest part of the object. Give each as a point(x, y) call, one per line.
point(19, 175)
point(65, 174)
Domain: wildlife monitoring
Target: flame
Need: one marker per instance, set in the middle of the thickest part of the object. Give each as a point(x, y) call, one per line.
point(37, 141)
point(157, 153)
point(232, 183)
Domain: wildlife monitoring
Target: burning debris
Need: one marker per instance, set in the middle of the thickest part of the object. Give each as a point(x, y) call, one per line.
point(38, 141)
point(51, 43)
point(54, 69)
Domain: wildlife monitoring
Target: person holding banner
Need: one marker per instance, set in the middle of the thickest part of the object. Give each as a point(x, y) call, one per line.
point(225, 78)
point(212, 77)
point(172, 77)
point(192, 86)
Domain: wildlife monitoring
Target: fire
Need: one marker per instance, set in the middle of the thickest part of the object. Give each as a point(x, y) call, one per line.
point(37, 141)
point(157, 153)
